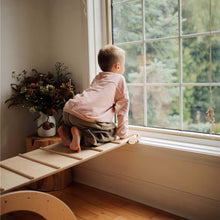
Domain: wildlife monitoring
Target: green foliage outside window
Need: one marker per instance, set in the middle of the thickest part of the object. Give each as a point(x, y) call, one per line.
point(161, 64)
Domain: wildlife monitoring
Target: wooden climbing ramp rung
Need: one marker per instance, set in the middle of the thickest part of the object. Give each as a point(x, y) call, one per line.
point(38, 161)
point(32, 166)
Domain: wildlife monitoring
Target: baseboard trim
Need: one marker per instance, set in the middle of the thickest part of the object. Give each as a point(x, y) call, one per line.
point(181, 203)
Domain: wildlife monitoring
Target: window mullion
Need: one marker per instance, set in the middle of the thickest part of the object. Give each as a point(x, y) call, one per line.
point(200, 34)
point(180, 64)
point(144, 63)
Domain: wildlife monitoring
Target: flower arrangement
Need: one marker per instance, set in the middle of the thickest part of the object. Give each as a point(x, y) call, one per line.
point(39, 92)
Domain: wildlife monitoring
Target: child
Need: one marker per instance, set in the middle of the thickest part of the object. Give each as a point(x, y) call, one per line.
point(88, 116)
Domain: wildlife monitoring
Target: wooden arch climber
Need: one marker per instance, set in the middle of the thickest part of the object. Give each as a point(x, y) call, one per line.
point(44, 204)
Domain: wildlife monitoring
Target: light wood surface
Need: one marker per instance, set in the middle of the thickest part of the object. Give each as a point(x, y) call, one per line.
point(61, 153)
point(10, 180)
point(34, 142)
point(17, 171)
point(38, 161)
point(54, 159)
point(30, 168)
point(89, 203)
point(54, 182)
point(56, 155)
point(45, 205)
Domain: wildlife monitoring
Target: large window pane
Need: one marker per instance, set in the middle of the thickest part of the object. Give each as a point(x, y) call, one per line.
point(162, 61)
point(163, 107)
point(127, 21)
point(196, 61)
point(192, 21)
point(161, 18)
point(133, 63)
point(215, 15)
point(216, 58)
point(195, 105)
point(136, 110)
point(195, 16)
point(216, 107)
point(153, 63)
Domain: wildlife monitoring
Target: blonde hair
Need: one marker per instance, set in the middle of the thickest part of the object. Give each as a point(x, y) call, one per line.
point(108, 56)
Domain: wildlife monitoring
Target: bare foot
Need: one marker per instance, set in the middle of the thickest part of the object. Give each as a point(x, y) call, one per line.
point(75, 144)
point(64, 134)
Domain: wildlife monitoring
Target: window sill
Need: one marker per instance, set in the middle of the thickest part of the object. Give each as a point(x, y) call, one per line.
point(204, 144)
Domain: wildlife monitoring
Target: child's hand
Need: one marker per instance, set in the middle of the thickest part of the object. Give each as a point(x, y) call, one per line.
point(127, 135)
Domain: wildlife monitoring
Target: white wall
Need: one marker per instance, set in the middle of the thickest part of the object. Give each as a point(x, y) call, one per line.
point(68, 36)
point(24, 45)
point(36, 34)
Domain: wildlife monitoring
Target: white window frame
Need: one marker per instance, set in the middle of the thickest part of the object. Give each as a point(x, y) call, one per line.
point(99, 34)
point(96, 14)
point(180, 37)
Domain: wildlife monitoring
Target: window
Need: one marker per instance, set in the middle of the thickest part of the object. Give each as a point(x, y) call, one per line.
point(167, 44)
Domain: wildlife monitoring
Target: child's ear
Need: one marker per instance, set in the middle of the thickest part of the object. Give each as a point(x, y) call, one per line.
point(117, 66)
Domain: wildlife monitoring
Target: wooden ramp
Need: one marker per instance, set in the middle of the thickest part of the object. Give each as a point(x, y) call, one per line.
point(29, 167)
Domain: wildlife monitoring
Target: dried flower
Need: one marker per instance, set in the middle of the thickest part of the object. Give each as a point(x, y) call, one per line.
point(39, 92)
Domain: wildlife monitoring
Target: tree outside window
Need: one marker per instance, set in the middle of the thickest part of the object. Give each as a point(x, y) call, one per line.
point(167, 48)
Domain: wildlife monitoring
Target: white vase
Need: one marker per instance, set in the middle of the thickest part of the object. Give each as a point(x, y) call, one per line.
point(41, 131)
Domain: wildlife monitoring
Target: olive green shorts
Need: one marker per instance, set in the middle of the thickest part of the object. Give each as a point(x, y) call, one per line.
point(92, 133)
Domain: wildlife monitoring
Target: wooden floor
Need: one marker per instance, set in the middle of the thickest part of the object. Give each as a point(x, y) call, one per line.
point(89, 203)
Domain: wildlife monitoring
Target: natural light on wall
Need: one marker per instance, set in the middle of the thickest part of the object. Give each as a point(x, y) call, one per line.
point(167, 44)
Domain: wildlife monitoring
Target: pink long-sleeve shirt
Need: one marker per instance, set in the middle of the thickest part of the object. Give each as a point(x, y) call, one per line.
point(106, 96)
